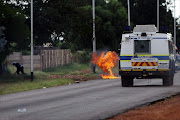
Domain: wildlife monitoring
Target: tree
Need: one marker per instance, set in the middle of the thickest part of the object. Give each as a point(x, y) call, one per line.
point(17, 32)
point(2, 39)
point(3, 43)
point(178, 36)
point(111, 19)
point(145, 12)
point(16, 35)
point(111, 22)
point(72, 21)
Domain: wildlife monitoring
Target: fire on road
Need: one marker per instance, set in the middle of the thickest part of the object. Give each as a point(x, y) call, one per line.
point(106, 61)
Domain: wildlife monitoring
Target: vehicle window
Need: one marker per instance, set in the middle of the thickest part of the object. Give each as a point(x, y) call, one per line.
point(142, 46)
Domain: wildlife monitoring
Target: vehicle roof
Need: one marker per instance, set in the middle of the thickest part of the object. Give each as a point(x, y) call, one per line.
point(145, 28)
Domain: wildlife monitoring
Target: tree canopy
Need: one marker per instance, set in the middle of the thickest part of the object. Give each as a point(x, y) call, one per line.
point(145, 12)
point(72, 21)
point(16, 31)
point(68, 23)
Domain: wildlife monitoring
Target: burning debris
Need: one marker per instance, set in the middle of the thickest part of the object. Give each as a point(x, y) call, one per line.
point(106, 61)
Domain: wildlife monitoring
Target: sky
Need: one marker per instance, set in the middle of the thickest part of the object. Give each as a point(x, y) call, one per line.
point(177, 5)
point(177, 8)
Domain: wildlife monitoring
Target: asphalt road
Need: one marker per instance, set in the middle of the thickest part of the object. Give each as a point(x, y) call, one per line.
point(91, 100)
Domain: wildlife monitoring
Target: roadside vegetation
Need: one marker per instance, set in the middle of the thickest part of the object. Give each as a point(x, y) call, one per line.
point(10, 83)
point(68, 69)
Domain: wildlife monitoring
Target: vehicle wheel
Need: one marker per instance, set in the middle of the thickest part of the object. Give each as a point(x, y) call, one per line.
point(168, 80)
point(174, 68)
point(126, 81)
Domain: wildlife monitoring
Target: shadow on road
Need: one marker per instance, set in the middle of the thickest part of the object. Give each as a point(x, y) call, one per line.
point(149, 86)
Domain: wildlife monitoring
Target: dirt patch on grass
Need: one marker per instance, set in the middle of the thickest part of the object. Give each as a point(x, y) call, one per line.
point(82, 75)
point(168, 109)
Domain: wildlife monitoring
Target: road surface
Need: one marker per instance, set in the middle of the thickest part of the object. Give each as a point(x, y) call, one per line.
point(91, 100)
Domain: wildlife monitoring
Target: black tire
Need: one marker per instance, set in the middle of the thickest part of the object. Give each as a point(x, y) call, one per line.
point(174, 68)
point(168, 80)
point(127, 81)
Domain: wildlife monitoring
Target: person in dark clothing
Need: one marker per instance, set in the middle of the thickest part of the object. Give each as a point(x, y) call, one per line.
point(19, 67)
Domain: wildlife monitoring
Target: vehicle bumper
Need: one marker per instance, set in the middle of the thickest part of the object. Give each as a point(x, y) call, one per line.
point(156, 73)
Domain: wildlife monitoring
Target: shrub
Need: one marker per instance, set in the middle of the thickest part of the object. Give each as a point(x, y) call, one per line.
point(83, 56)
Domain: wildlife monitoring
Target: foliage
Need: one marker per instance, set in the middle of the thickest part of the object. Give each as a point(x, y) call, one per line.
point(3, 50)
point(72, 21)
point(16, 32)
point(13, 19)
point(2, 39)
point(67, 69)
point(26, 52)
point(145, 12)
point(83, 56)
point(3, 42)
point(110, 21)
point(178, 37)
point(113, 20)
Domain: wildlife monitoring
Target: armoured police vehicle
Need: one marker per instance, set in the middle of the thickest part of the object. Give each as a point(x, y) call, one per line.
point(146, 53)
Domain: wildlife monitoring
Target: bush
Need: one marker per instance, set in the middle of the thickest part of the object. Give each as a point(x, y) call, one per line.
point(83, 56)
point(26, 52)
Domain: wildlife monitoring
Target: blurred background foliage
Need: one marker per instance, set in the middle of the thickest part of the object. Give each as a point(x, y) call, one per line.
point(68, 23)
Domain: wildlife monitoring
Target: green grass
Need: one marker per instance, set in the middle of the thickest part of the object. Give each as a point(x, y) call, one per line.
point(67, 69)
point(19, 86)
point(10, 83)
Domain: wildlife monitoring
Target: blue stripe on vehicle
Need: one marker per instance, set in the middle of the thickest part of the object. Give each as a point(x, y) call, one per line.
point(133, 38)
point(152, 38)
point(125, 57)
point(159, 57)
point(162, 57)
point(159, 38)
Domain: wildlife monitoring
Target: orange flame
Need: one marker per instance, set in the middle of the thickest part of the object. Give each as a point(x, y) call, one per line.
point(106, 61)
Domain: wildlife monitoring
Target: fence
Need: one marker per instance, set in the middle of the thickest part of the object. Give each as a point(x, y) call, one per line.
point(27, 62)
point(54, 58)
point(46, 59)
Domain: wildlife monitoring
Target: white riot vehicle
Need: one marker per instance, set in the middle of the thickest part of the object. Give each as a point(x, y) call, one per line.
point(145, 53)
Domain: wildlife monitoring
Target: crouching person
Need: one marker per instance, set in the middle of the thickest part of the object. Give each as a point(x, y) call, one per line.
point(19, 67)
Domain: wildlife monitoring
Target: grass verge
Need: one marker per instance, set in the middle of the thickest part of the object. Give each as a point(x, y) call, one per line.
point(68, 69)
point(10, 83)
point(6, 88)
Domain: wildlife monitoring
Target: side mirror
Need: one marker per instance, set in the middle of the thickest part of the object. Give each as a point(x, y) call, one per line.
point(119, 46)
